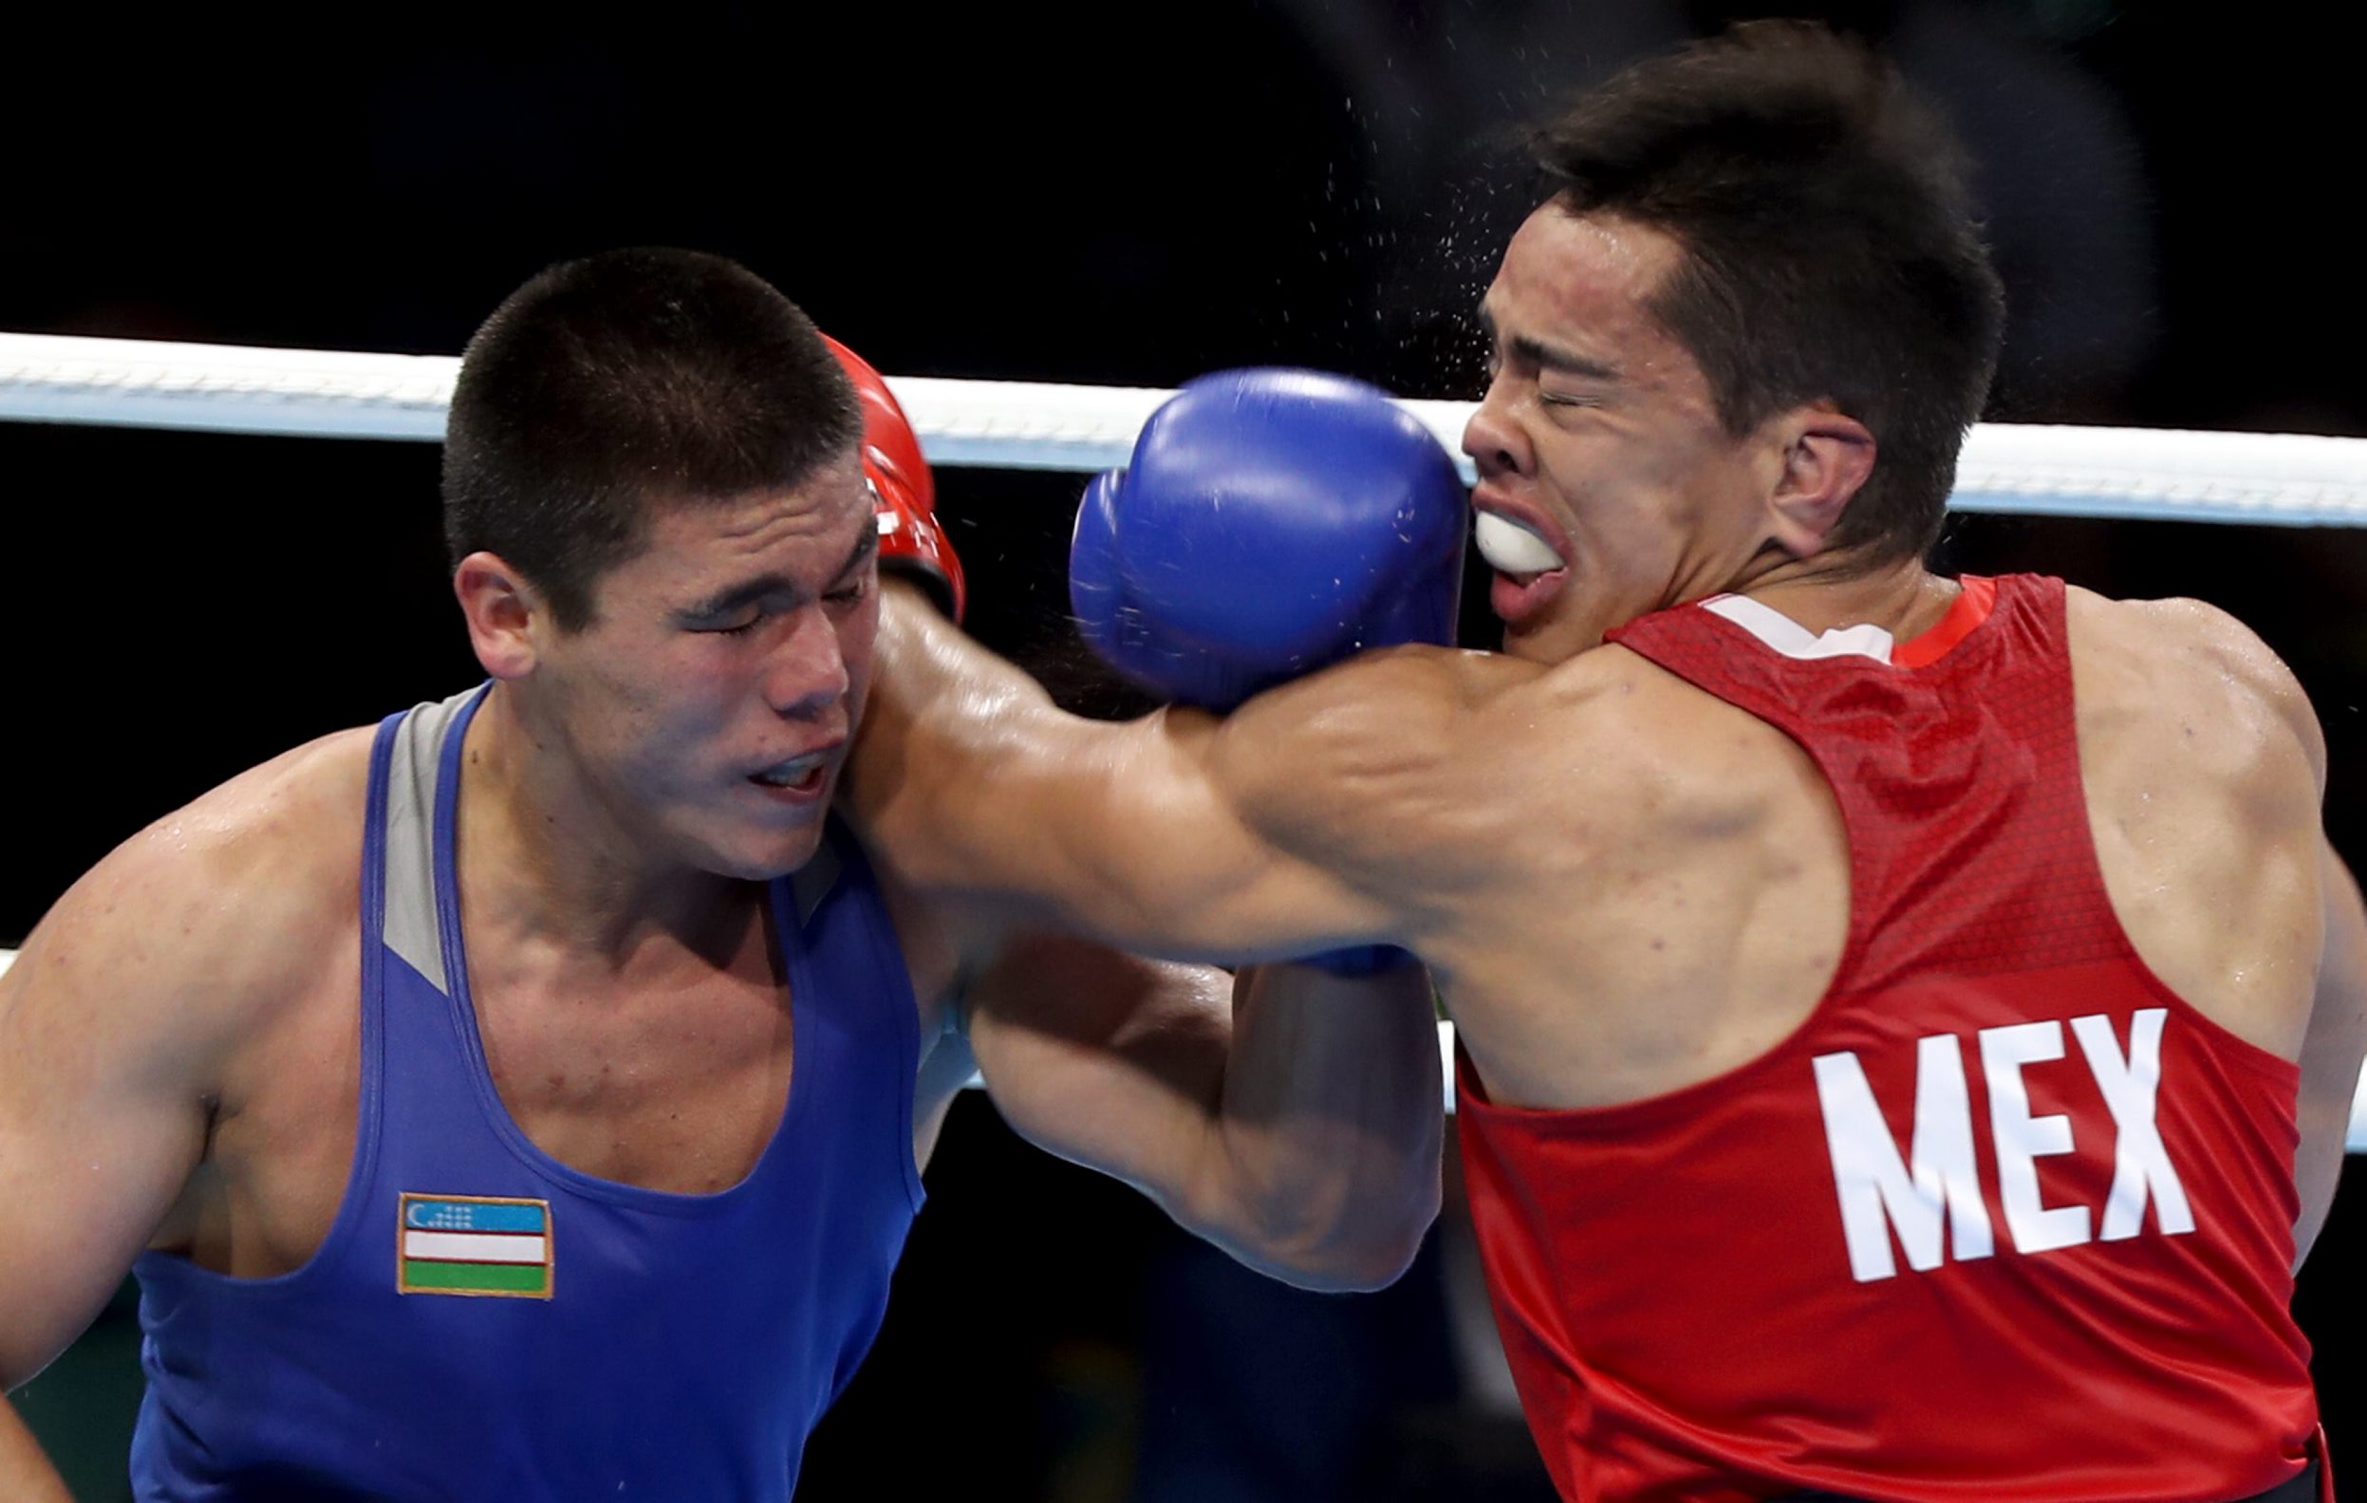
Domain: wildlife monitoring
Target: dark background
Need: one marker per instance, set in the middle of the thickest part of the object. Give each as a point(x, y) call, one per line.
point(1120, 194)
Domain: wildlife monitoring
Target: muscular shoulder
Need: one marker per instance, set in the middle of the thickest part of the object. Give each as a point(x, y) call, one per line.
point(1396, 735)
point(1692, 768)
point(281, 843)
point(2190, 671)
point(200, 923)
point(1380, 711)
point(268, 840)
point(1467, 758)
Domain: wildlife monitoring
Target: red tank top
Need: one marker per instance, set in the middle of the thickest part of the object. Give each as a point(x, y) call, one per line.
point(2004, 1218)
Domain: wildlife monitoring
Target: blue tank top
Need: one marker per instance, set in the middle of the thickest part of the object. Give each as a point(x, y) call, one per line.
point(484, 1322)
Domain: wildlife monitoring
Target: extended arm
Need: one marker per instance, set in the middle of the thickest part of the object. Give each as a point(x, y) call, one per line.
point(1323, 813)
point(1268, 523)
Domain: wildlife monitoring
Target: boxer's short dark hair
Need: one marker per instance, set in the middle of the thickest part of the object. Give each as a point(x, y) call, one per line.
point(627, 380)
point(1831, 253)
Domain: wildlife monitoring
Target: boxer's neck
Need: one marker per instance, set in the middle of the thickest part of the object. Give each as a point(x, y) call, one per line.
point(1832, 593)
point(544, 857)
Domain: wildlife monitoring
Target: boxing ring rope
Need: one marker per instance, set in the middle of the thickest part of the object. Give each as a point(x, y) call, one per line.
point(2258, 479)
point(2270, 479)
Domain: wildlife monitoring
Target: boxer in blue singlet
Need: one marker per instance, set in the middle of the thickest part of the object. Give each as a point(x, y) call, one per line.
point(597, 1190)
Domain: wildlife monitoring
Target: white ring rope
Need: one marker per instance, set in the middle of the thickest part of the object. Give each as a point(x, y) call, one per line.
point(2263, 478)
point(2356, 1141)
point(2282, 479)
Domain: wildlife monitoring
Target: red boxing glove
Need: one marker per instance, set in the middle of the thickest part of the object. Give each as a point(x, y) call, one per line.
point(910, 541)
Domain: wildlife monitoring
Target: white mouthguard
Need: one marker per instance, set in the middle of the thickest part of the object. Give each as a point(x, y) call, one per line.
point(1511, 548)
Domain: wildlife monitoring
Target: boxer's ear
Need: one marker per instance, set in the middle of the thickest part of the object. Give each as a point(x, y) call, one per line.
point(506, 616)
point(1826, 457)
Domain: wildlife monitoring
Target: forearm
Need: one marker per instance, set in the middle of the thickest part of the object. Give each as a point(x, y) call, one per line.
point(1326, 1140)
point(25, 1474)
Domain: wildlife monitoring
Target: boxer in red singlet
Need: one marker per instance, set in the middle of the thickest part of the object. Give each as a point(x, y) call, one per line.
point(1908, 1023)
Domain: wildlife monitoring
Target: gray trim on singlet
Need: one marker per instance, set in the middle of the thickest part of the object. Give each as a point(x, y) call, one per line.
point(411, 929)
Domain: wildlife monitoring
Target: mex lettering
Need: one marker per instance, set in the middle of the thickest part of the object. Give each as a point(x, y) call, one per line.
point(1930, 1200)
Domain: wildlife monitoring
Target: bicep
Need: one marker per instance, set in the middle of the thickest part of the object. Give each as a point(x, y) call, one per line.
point(101, 1123)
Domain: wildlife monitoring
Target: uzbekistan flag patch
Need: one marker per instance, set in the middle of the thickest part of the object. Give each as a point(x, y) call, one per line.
point(473, 1244)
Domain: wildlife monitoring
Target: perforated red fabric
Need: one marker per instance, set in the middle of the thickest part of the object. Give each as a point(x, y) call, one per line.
point(1764, 1283)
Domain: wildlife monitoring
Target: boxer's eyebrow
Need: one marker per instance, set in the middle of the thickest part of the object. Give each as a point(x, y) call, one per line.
point(1564, 362)
point(736, 598)
point(739, 597)
point(1552, 357)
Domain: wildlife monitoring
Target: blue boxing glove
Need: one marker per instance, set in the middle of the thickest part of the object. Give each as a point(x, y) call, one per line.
point(1271, 523)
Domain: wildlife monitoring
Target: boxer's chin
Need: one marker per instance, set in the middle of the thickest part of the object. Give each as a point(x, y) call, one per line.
point(777, 842)
point(1548, 624)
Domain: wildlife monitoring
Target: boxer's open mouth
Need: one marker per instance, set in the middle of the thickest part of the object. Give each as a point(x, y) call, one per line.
point(797, 772)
